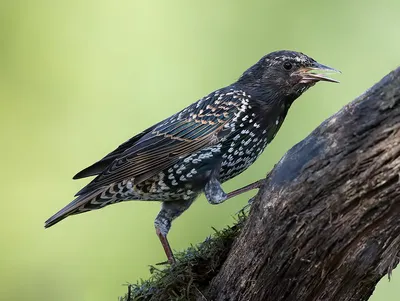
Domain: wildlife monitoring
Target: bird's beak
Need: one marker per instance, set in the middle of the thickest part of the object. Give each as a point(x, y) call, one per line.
point(317, 73)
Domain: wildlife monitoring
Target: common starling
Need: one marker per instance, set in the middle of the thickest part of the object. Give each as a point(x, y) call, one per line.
point(200, 147)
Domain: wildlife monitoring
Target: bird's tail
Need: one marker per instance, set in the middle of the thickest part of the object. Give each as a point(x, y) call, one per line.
point(81, 204)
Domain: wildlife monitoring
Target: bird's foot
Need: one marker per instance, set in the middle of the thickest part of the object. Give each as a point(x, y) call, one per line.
point(247, 207)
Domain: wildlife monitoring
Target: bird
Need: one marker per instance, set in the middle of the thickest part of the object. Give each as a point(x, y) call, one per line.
point(204, 145)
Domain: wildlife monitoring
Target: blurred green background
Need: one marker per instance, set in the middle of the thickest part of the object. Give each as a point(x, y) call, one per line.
point(77, 78)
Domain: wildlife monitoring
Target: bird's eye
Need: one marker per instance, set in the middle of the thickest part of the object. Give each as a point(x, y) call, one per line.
point(287, 65)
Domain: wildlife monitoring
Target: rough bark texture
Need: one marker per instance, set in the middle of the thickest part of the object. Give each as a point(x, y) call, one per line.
point(326, 224)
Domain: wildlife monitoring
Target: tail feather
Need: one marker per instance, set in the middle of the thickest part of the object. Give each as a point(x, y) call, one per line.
point(75, 207)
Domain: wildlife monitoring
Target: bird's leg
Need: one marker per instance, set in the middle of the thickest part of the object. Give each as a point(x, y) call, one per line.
point(215, 194)
point(213, 191)
point(166, 246)
point(169, 211)
point(244, 189)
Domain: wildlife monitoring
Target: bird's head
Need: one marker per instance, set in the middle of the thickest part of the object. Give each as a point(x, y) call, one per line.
point(285, 74)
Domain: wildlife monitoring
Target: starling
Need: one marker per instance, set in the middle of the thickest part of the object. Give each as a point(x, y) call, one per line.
point(200, 147)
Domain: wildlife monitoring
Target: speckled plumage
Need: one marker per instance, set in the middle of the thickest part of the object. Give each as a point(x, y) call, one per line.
point(200, 147)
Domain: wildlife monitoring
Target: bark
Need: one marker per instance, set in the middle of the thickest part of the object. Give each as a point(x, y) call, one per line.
point(326, 223)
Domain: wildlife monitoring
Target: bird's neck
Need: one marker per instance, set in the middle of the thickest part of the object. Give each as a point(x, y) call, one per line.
point(269, 107)
point(267, 98)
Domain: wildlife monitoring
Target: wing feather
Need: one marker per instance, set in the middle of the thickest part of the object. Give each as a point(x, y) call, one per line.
point(102, 164)
point(167, 142)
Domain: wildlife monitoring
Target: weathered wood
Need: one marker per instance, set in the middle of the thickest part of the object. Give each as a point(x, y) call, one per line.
point(326, 224)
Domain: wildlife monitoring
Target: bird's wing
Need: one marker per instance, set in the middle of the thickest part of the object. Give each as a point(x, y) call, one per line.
point(201, 124)
point(102, 164)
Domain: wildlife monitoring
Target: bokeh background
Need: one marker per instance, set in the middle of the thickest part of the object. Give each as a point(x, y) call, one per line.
point(79, 77)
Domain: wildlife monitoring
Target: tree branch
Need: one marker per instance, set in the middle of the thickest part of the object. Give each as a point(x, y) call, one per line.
point(324, 226)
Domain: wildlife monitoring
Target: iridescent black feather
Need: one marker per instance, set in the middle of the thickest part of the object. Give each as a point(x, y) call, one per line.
point(200, 147)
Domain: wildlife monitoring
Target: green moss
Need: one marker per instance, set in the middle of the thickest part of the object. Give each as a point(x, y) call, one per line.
point(193, 271)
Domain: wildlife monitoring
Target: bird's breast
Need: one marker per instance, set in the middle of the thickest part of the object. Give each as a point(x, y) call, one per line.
point(242, 150)
point(250, 135)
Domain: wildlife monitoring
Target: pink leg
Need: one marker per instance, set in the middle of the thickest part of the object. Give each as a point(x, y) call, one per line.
point(167, 248)
point(246, 188)
point(169, 211)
